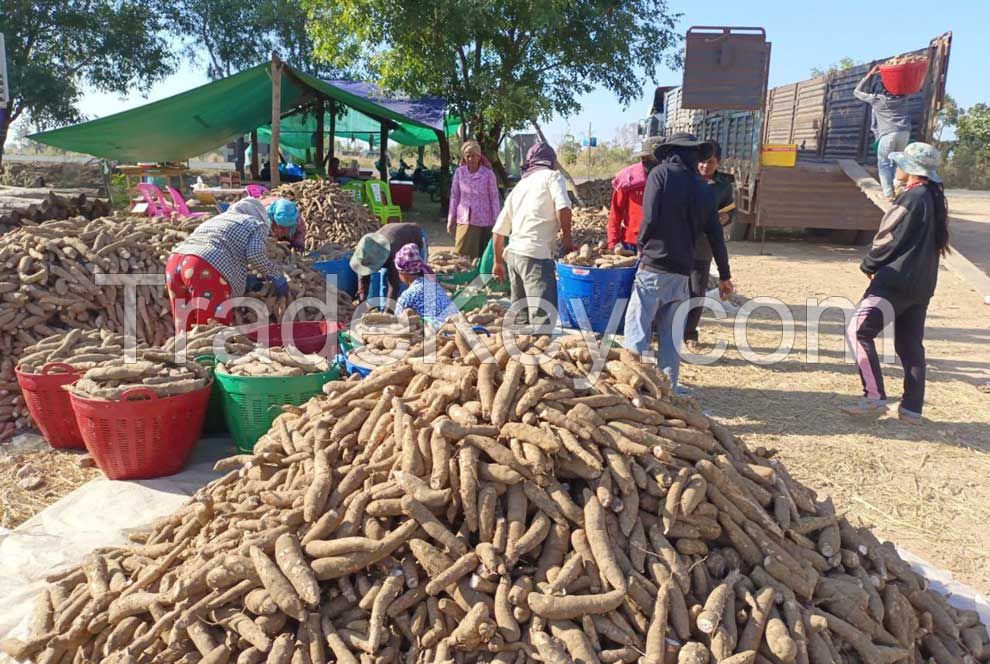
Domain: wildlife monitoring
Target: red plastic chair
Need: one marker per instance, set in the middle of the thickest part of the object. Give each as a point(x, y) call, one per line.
point(179, 204)
point(256, 190)
point(155, 200)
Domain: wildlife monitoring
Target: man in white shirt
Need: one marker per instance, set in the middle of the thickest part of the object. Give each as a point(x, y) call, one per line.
point(534, 212)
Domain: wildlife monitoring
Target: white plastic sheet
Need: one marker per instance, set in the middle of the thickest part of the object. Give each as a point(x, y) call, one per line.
point(99, 513)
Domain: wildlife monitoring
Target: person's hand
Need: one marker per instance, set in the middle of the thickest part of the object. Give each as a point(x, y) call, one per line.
point(298, 245)
point(451, 226)
point(253, 284)
point(876, 69)
point(281, 285)
point(723, 218)
point(725, 289)
point(498, 270)
point(567, 245)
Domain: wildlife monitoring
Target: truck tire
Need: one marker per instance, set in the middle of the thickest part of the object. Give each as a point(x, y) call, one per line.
point(739, 230)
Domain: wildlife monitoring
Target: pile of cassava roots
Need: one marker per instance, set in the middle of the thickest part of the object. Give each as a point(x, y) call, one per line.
point(331, 213)
point(483, 508)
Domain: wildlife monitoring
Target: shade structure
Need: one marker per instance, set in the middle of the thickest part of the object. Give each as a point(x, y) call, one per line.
point(211, 115)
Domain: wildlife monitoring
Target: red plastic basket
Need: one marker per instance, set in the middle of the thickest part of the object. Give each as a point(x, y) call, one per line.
point(307, 336)
point(905, 79)
point(139, 439)
point(49, 404)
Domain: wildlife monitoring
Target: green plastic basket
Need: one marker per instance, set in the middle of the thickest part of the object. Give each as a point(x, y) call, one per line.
point(465, 301)
point(214, 423)
point(251, 403)
point(485, 266)
point(458, 278)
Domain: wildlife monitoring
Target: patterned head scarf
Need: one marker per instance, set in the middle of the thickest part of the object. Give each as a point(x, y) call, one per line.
point(409, 261)
point(473, 147)
point(247, 209)
point(539, 157)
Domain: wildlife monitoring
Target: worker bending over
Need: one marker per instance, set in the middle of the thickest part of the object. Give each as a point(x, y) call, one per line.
point(212, 265)
point(377, 250)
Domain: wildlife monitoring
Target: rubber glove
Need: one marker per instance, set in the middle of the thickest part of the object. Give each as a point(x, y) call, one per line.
point(253, 284)
point(281, 285)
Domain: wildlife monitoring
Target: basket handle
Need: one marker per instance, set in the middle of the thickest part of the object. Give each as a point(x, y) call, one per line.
point(140, 391)
point(63, 366)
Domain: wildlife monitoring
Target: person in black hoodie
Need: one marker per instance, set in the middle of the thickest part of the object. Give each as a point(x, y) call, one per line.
point(677, 205)
point(902, 265)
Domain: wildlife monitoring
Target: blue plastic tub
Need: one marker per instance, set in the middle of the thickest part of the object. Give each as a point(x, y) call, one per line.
point(597, 290)
point(347, 279)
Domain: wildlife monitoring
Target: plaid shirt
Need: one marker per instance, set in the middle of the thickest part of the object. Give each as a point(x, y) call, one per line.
point(232, 241)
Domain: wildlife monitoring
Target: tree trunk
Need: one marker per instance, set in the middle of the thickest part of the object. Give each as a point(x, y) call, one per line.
point(4, 126)
point(444, 172)
point(489, 141)
point(560, 167)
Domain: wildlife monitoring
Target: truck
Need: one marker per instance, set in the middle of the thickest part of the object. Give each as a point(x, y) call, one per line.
point(819, 118)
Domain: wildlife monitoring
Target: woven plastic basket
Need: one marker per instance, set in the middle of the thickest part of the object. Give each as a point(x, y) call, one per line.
point(142, 435)
point(49, 404)
point(214, 423)
point(251, 403)
point(599, 291)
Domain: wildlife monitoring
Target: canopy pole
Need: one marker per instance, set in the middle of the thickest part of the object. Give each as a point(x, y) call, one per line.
point(444, 171)
point(333, 132)
point(383, 152)
point(254, 155)
point(319, 132)
point(276, 120)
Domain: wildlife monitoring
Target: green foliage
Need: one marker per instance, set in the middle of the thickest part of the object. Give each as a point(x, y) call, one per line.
point(55, 47)
point(234, 35)
point(967, 162)
point(503, 64)
point(568, 150)
point(841, 65)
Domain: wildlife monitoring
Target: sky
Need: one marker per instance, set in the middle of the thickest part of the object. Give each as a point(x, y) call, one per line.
point(801, 37)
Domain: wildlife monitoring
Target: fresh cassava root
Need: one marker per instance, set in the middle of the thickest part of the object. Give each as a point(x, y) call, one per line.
point(368, 526)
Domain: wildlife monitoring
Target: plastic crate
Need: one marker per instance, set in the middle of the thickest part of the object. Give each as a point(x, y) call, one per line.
point(251, 403)
point(306, 336)
point(141, 435)
point(598, 290)
point(214, 422)
point(49, 404)
point(904, 79)
point(457, 278)
point(465, 300)
point(347, 279)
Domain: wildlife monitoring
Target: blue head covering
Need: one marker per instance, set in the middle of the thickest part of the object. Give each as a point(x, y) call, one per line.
point(284, 213)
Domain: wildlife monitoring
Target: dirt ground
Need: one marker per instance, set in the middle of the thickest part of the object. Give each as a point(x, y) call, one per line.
point(922, 487)
point(970, 225)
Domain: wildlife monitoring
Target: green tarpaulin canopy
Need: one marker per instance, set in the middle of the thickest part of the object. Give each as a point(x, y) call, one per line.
point(204, 118)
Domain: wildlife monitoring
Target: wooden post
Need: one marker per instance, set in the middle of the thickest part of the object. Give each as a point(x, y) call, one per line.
point(444, 171)
point(333, 131)
point(276, 119)
point(254, 155)
point(383, 152)
point(319, 132)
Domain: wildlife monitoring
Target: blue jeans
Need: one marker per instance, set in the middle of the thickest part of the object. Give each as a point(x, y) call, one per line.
point(895, 141)
point(655, 298)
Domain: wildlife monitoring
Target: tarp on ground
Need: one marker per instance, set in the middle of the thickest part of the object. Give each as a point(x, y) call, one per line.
point(211, 115)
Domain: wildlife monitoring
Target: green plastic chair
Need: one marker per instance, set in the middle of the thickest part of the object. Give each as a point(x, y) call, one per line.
point(356, 187)
point(379, 199)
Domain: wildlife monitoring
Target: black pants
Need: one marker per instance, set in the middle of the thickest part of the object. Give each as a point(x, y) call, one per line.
point(698, 286)
point(909, 335)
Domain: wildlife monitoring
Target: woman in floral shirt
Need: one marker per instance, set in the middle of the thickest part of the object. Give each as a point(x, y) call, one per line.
point(474, 202)
point(424, 295)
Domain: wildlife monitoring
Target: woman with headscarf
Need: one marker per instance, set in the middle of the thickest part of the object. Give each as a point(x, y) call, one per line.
point(535, 211)
point(212, 265)
point(902, 265)
point(474, 202)
point(423, 294)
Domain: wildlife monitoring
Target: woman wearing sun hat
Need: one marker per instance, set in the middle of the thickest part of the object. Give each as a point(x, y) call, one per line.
point(902, 265)
point(212, 264)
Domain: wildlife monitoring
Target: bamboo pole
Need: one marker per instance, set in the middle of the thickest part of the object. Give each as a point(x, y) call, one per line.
point(320, 106)
point(276, 119)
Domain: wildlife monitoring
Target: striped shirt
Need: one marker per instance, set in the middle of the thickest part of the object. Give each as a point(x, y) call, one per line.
point(232, 241)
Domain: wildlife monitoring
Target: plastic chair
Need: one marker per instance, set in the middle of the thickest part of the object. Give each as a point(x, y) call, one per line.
point(356, 187)
point(255, 190)
point(179, 204)
point(379, 198)
point(155, 200)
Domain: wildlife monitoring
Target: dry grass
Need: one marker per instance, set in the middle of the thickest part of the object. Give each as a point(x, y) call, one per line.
point(60, 471)
point(922, 487)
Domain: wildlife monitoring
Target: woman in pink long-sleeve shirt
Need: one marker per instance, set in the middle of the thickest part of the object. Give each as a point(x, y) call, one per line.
point(474, 202)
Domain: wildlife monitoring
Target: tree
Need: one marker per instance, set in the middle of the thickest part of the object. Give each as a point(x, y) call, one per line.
point(568, 149)
point(967, 159)
point(948, 116)
point(500, 65)
point(841, 65)
point(55, 47)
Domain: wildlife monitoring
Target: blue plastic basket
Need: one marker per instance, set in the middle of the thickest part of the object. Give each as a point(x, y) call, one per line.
point(598, 290)
point(347, 279)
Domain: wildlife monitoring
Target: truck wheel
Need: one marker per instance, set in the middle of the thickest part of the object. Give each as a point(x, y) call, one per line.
point(739, 230)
